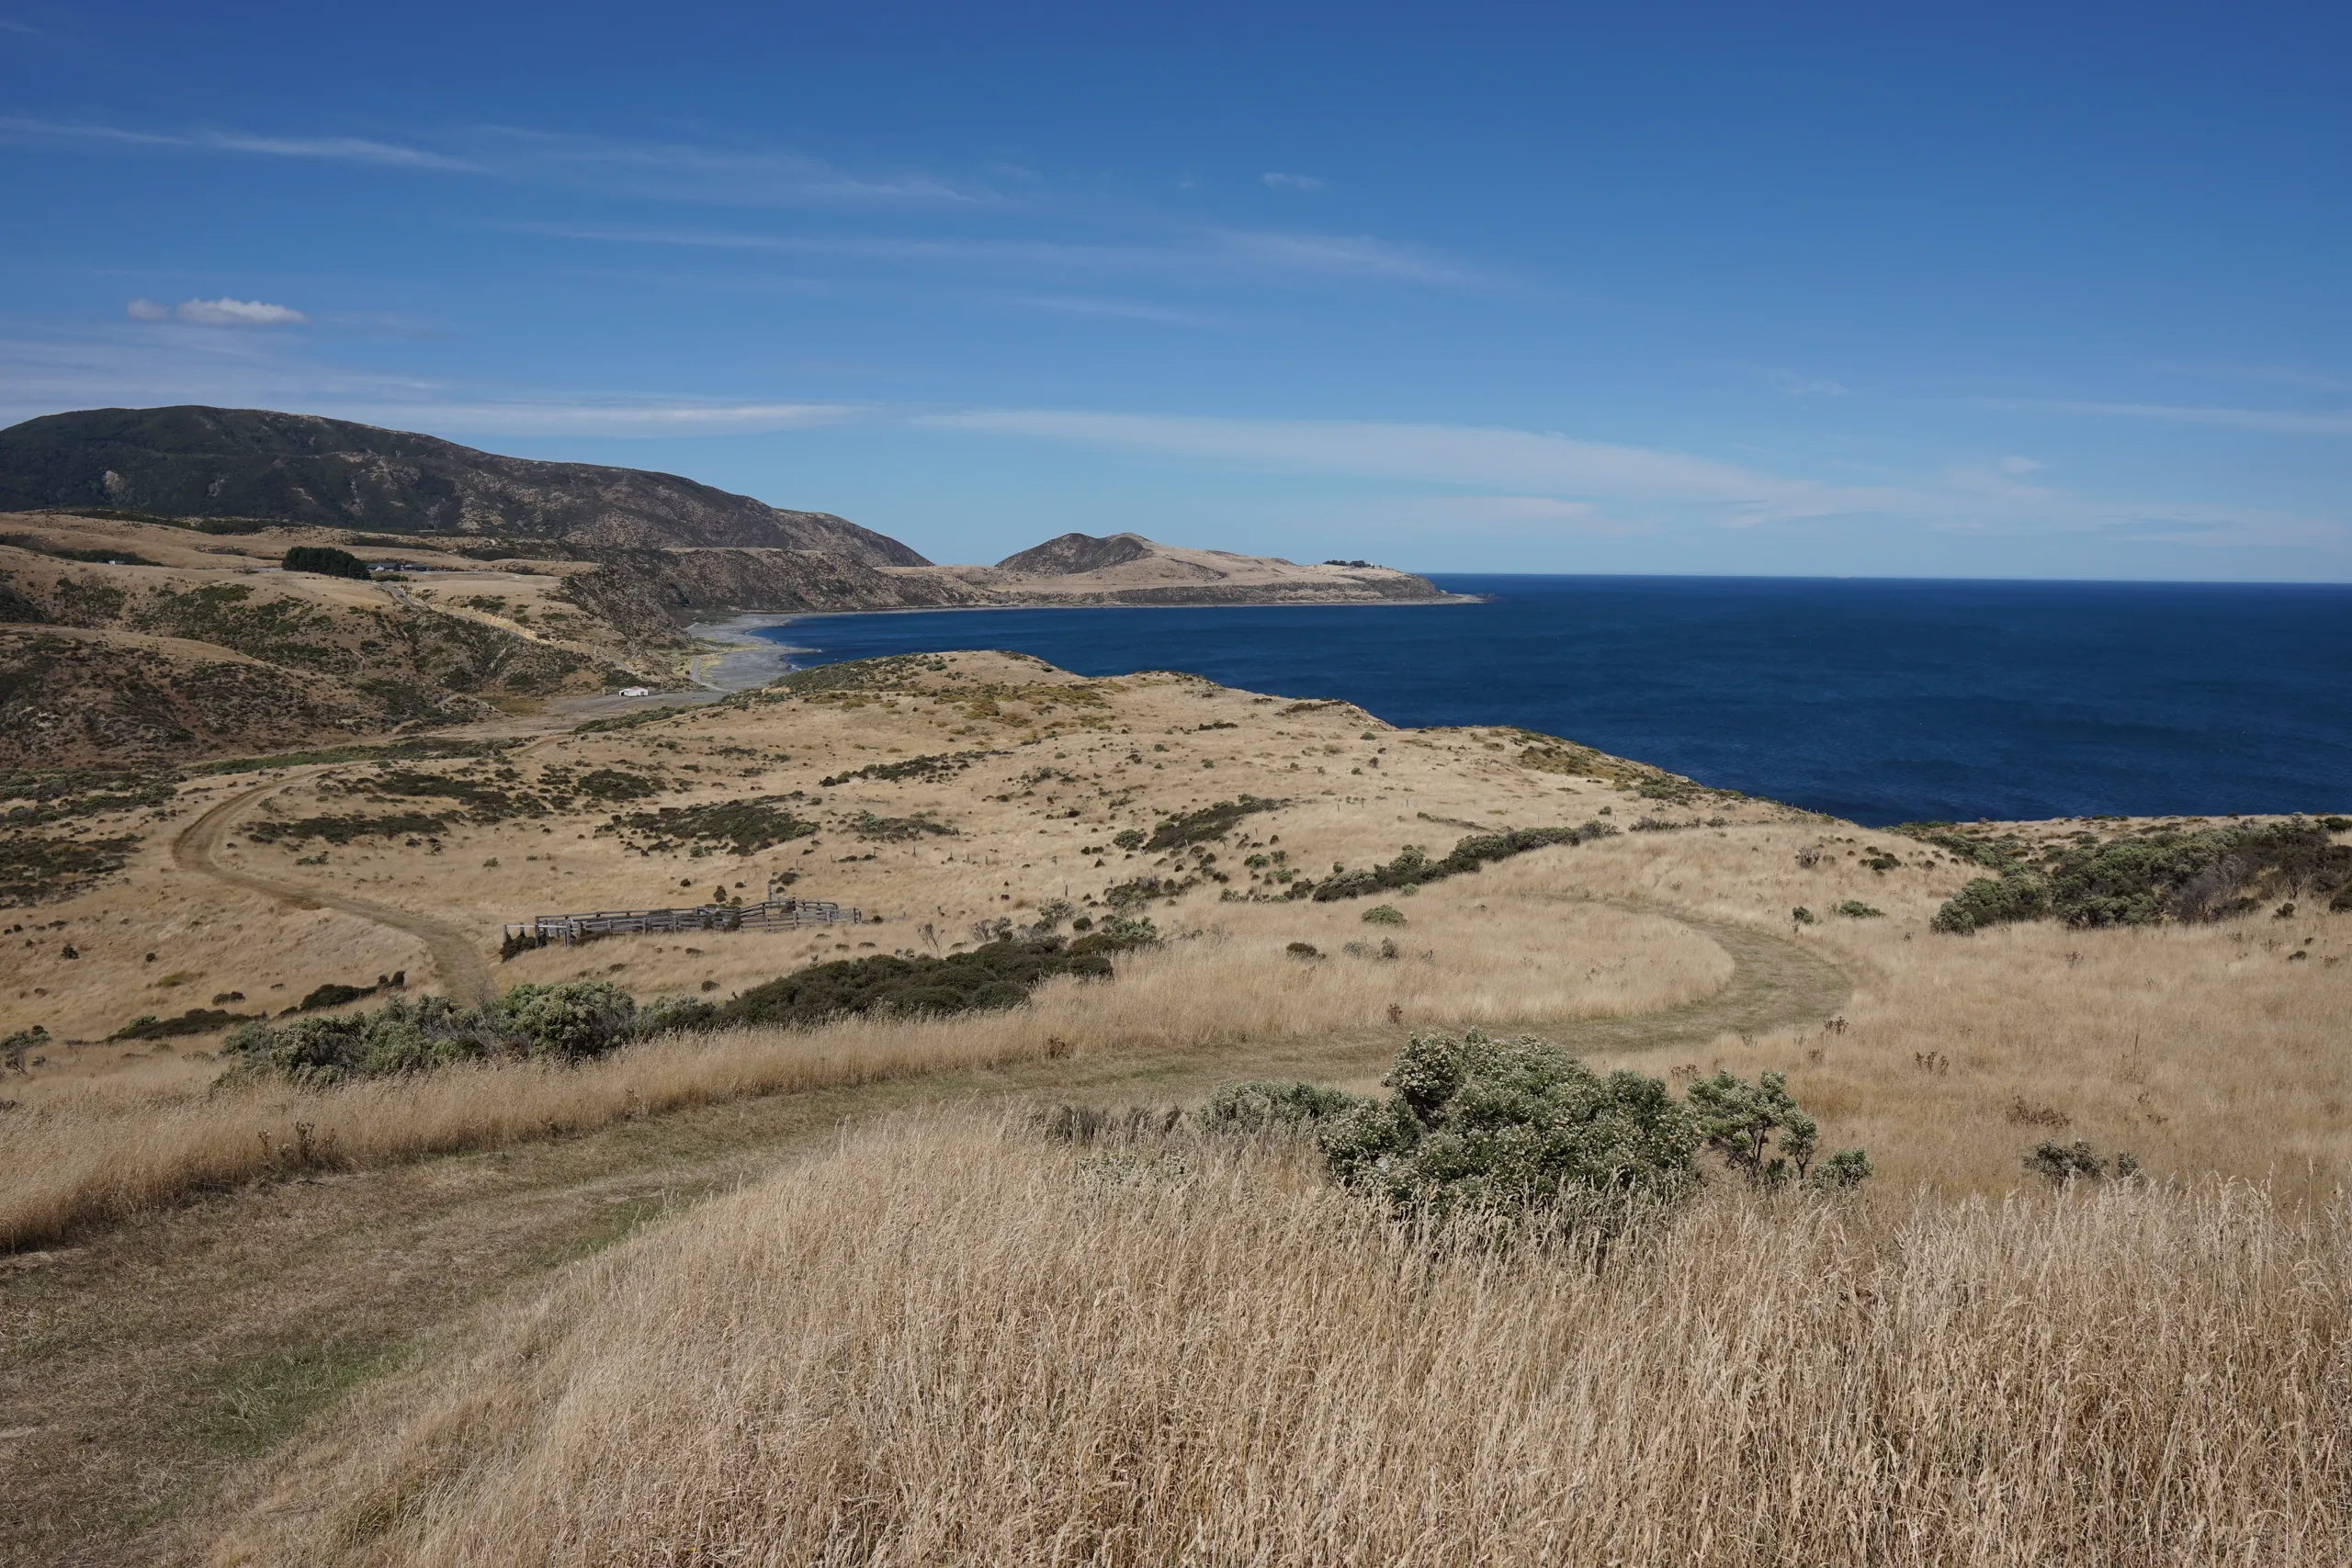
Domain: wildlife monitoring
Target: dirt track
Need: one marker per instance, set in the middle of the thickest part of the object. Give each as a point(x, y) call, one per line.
point(457, 959)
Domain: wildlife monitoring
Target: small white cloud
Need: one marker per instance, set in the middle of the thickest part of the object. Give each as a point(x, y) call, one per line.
point(2021, 466)
point(228, 312)
point(1292, 182)
point(147, 311)
point(1793, 384)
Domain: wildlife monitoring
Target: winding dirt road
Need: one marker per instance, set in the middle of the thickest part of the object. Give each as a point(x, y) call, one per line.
point(457, 959)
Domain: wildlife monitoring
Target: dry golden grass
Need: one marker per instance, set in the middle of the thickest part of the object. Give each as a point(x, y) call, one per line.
point(82, 1148)
point(2199, 1048)
point(949, 1343)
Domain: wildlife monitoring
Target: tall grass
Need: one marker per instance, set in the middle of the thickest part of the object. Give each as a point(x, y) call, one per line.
point(950, 1343)
point(87, 1149)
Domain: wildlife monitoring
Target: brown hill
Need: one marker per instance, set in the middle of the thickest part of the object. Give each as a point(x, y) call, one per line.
point(198, 462)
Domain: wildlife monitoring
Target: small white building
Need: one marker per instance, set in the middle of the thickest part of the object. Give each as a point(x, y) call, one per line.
point(637, 691)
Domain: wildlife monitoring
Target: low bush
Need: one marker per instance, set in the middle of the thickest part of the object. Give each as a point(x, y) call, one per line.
point(1412, 866)
point(1855, 910)
point(2064, 1163)
point(2206, 875)
point(1197, 827)
point(196, 1021)
point(1506, 1131)
point(571, 1022)
point(998, 974)
point(346, 828)
point(1383, 915)
point(1509, 1128)
point(1266, 1106)
point(746, 827)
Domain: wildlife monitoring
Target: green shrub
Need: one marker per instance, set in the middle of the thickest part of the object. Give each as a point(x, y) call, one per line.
point(1413, 867)
point(2205, 875)
point(1383, 915)
point(1209, 822)
point(1802, 916)
point(326, 560)
point(1855, 910)
point(2078, 1161)
point(1129, 838)
point(1992, 901)
point(333, 995)
point(1513, 1128)
point(1261, 1106)
point(567, 1022)
point(1000, 975)
point(1766, 1137)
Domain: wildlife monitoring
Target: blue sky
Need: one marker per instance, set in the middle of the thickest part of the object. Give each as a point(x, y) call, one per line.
point(1881, 289)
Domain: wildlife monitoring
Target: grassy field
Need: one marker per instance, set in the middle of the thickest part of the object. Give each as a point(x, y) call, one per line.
point(950, 1342)
point(403, 1294)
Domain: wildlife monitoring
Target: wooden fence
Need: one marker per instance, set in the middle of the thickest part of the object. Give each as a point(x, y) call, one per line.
point(768, 914)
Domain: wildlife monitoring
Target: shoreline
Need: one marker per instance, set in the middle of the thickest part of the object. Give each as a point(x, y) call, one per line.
point(742, 659)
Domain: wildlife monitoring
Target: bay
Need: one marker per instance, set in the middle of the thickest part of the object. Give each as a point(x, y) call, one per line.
point(1880, 700)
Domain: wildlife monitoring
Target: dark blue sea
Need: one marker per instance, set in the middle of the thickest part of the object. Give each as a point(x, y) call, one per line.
point(1881, 701)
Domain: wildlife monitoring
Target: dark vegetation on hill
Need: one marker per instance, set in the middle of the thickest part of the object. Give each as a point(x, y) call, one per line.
point(326, 561)
point(2167, 875)
point(577, 1020)
point(1413, 867)
point(201, 462)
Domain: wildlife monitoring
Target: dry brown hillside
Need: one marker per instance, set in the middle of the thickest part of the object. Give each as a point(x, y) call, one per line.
point(484, 1313)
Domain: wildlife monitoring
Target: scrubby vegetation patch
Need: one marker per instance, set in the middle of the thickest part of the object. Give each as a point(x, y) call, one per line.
point(2210, 874)
point(742, 827)
point(1412, 867)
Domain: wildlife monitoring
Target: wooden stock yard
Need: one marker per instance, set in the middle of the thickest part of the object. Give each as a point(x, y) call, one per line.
point(767, 914)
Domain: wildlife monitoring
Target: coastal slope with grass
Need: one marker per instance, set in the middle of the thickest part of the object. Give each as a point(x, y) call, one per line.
point(1582, 1096)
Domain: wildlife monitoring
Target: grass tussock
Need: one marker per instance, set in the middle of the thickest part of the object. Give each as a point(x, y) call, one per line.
point(954, 1342)
point(80, 1149)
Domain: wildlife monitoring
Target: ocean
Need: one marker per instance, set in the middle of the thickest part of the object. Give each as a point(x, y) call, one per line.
point(1880, 700)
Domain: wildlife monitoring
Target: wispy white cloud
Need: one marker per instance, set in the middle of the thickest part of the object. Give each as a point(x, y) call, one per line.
point(1275, 181)
point(26, 28)
point(1558, 465)
point(1796, 384)
point(683, 172)
point(2268, 375)
point(2279, 422)
point(1220, 250)
point(1532, 474)
point(222, 312)
point(337, 149)
point(1116, 310)
point(618, 416)
point(667, 170)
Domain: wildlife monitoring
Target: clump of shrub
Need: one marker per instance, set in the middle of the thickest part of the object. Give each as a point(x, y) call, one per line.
point(1196, 826)
point(1855, 910)
point(1304, 950)
point(1383, 915)
point(2205, 875)
point(571, 1022)
point(2064, 1163)
point(991, 977)
point(895, 829)
point(343, 829)
point(1767, 1137)
point(1413, 866)
point(196, 1021)
point(928, 769)
point(1509, 1128)
point(326, 560)
point(1266, 1106)
point(746, 827)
